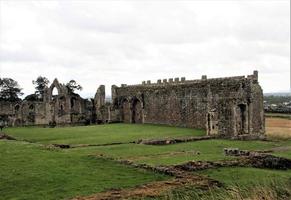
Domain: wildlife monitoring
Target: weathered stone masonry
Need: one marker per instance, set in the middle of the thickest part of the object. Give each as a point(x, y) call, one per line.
point(226, 106)
point(62, 108)
point(230, 106)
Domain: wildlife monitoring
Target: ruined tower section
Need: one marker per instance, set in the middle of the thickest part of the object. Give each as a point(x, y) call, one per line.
point(229, 107)
point(57, 103)
point(64, 107)
point(256, 105)
point(235, 106)
point(99, 105)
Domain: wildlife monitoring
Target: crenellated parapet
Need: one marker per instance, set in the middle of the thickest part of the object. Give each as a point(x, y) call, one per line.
point(182, 80)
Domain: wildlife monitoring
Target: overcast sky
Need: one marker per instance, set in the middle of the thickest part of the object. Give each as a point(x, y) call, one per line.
point(114, 42)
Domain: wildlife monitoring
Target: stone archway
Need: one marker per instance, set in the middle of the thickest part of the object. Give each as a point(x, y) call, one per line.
point(17, 108)
point(54, 89)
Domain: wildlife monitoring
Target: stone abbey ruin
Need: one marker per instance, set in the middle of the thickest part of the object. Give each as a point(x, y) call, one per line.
point(229, 107)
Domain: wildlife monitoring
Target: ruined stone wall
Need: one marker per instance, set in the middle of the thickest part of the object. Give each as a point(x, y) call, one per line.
point(22, 112)
point(6, 108)
point(62, 108)
point(226, 106)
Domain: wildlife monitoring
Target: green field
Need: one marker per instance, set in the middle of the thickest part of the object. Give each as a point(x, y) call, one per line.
point(101, 134)
point(240, 183)
point(279, 115)
point(30, 170)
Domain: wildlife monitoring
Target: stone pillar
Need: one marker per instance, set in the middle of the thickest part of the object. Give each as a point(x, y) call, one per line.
point(100, 96)
point(109, 113)
point(113, 92)
point(233, 119)
point(250, 113)
point(130, 111)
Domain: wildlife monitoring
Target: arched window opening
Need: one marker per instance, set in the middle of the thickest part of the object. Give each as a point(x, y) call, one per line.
point(17, 108)
point(31, 107)
point(55, 92)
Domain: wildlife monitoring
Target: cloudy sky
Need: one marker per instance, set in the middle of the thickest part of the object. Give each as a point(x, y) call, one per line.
point(114, 42)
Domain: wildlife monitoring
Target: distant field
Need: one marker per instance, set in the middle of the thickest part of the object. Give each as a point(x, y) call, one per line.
point(278, 127)
point(30, 170)
point(278, 115)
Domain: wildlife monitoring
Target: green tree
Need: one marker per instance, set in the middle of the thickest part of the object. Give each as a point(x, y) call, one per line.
point(31, 97)
point(9, 90)
point(72, 85)
point(40, 84)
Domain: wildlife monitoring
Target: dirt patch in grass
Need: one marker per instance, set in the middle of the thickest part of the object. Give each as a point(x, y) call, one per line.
point(181, 178)
point(281, 149)
point(153, 189)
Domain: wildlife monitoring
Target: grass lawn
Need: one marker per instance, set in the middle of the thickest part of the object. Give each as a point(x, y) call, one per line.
point(211, 150)
point(31, 171)
point(285, 154)
point(239, 183)
point(246, 177)
point(28, 171)
point(100, 134)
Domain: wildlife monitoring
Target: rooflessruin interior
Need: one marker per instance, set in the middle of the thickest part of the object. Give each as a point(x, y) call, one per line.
point(230, 106)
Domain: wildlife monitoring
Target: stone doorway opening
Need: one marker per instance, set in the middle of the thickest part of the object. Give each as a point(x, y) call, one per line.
point(136, 112)
point(125, 115)
point(241, 119)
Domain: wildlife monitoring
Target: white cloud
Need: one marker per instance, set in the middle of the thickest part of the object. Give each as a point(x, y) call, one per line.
point(114, 42)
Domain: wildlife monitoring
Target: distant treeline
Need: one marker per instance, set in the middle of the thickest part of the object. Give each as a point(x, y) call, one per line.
point(277, 99)
point(10, 90)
